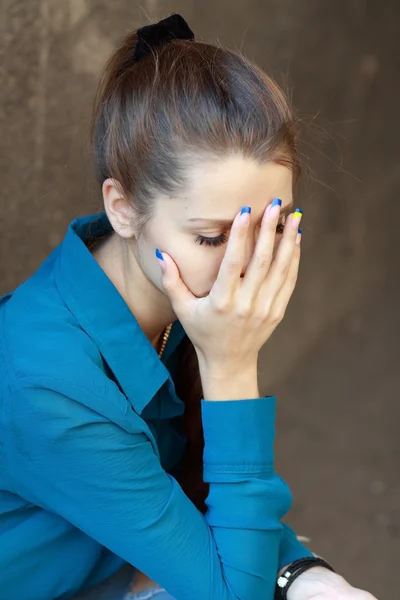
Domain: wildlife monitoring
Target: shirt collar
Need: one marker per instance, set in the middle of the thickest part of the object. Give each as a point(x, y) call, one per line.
point(104, 315)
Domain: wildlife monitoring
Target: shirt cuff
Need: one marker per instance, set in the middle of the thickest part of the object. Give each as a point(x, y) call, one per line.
point(291, 548)
point(239, 436)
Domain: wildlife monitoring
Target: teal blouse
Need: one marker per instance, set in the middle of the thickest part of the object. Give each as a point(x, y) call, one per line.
point(88, 440)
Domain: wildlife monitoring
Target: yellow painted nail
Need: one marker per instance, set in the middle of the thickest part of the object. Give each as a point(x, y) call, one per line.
point(298, 213)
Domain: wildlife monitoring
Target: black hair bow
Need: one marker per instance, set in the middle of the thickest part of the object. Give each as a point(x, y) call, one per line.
point(157, 34)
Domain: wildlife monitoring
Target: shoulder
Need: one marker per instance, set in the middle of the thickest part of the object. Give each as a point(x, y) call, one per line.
point(43, 347)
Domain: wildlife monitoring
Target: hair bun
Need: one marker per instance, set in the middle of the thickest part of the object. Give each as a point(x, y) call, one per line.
point(157, 34)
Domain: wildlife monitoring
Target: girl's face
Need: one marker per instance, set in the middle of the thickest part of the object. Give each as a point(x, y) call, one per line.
point(194, 228)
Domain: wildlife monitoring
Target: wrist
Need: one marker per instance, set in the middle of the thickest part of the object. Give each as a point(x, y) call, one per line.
point(317, 580)
point(317, 572)
point(229, 383)
point(309, 571)
point(227, 368)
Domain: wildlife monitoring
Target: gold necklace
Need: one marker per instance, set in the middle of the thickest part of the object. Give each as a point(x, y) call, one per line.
point(164, 339)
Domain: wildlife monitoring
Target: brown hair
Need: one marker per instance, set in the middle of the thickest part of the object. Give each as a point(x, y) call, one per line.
point(185, 101)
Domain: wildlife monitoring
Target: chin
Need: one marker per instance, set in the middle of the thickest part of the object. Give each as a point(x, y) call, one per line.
point(201, 294)
point(207, 292)
point(197, 291)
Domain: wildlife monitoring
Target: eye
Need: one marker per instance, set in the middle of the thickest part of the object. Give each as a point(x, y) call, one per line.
point(221, 239)
point(213, 241)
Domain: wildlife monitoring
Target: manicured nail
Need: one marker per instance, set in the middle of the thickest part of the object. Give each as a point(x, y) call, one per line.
point(275, 209)
point(298, 236)
point(298, 213)
point(160, 260)
point(245, 214)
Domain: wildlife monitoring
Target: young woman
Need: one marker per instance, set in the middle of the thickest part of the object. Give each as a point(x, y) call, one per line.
point(136, 454)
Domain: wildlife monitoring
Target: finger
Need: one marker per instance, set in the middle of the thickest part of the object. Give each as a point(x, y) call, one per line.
point(260, 262)
point(177, 291)
point(232, 263)
point(282, 260)
point(281, 300)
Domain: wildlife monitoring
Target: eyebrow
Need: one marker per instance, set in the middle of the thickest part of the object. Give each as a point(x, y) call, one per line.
point(228, 222)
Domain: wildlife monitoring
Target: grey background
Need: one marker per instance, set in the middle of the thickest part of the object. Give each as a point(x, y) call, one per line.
point(333, 362)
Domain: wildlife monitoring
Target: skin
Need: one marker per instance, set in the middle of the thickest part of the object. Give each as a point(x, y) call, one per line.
point(216, 190)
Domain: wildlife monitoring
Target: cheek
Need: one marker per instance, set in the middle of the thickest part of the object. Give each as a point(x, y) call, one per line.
point(199, 268)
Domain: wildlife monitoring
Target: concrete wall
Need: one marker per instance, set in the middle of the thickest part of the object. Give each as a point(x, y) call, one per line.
point(340, 62)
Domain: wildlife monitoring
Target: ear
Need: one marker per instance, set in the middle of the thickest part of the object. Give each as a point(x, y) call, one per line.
point(119, 212)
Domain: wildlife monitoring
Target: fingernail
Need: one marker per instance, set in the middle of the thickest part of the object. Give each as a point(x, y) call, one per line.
point(245, 214)
point(298, 213)
point(275, 207)
point(160, 259)
point(298, 237)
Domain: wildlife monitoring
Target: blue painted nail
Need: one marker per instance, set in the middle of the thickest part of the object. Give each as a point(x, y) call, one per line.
point(299, 231)
point(276, 202)
point(158, 254)
point(245, 209)
point(298, 210)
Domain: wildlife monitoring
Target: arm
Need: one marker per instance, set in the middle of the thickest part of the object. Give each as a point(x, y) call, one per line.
point(108, 482)
point(290, 548)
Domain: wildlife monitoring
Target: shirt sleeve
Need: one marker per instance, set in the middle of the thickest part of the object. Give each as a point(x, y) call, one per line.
point(291, 548)
point(108, 482)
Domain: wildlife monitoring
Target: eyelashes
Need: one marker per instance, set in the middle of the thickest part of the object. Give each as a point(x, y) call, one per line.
point(221, 239)
point(214, 241)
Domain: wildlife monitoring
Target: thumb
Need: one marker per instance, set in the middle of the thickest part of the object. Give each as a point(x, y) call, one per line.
point(177, 291)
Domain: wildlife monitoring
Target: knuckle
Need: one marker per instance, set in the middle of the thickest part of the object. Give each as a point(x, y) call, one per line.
point(244, 310)
point(283, 272)
point(276, 315)
point(220, 305)
point(262, 261)
point(283, 267)
point(264, 313)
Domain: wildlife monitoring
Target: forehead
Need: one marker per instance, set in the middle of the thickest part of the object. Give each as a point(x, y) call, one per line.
point(219, 189)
